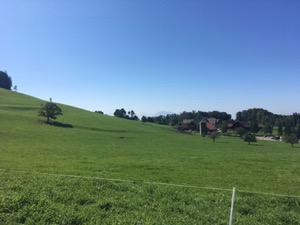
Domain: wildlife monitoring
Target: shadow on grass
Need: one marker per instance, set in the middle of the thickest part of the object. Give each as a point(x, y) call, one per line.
point(59, 124)
point(99, 129)
point(254, 144)
point(295, 147)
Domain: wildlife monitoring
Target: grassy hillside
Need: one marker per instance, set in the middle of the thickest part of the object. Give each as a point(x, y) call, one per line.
point(42, 168)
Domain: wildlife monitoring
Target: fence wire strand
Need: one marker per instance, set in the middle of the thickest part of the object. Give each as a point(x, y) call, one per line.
point(150, 183)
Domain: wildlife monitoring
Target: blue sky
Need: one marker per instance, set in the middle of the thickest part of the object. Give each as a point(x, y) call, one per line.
point(158, 55)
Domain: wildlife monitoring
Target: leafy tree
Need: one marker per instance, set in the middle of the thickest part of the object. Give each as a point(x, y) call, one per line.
point(144, 119)
point(5, 81)
point(288, 128)
point(120, 113)
point(161, 120)
point(268, 129)
point(297, 129)
point(249, 137)
point(254, 127)
point(150, 119)
point(239, 116)
point(291, 138)
point(280, 129)
point(224, 127)
point(132, 115)
point(241, 131)
point(213, 136)
point(50, 110)
point(100, 112)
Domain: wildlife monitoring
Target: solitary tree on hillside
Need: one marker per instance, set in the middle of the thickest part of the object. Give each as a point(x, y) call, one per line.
point(5, 81)
point(50, 110)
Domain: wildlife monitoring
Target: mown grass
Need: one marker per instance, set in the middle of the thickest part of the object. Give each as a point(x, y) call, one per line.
point(101, 146)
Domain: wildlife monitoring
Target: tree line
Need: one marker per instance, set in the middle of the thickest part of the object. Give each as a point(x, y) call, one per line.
point(5, 80)
point(175, 119)
point(286, 124)
point(122, 113)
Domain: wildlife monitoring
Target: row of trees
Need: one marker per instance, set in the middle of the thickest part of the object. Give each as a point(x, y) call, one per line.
point(286, 125)
point(260, 119)
point(257, 115)
point(175, 119)
point(122, 113)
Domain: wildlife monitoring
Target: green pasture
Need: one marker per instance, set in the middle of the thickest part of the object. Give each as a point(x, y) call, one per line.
point(71, 173)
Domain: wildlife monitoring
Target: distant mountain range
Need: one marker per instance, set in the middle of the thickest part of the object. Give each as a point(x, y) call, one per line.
point(162, 113)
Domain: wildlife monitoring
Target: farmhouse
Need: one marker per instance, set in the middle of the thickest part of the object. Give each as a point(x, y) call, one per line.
point(233, 125)
point(207, 125)
point(188, 125)
point(210, 123)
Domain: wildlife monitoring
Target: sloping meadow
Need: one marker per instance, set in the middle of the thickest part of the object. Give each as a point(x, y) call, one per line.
point(105, 170)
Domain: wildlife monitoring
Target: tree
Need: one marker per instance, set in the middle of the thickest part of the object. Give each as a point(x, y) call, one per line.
point(239, 116)
point(213, 136)
point(249, 137)
point(288, 128)
point(241, 131)
point(297, 129)
point(291, 138)
point(144, 119)
point(254, 127)
point(5, 81)
point(280, 129)
point(224, 126)
point(268, 129)
point(132, 115)
point(50, 110)
point(120, 113)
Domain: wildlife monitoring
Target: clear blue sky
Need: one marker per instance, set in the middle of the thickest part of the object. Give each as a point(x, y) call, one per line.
point(158, 55)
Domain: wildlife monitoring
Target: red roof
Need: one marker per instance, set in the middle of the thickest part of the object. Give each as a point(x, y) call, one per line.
point(211, 126)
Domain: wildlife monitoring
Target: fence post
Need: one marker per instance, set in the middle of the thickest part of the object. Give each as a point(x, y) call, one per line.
point(232, 204)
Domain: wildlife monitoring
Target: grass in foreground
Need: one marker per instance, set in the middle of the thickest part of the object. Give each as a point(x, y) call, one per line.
point(106, 147)
point(65, 200)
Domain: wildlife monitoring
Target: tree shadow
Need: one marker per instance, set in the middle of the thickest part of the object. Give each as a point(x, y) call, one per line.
point(254, 144)
point(59, 124)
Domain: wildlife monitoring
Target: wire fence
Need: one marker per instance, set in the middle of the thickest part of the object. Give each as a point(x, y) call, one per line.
point(152, 183)
point(241, 206)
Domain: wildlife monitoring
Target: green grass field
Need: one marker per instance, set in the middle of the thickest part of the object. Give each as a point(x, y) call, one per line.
point(107, 170)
